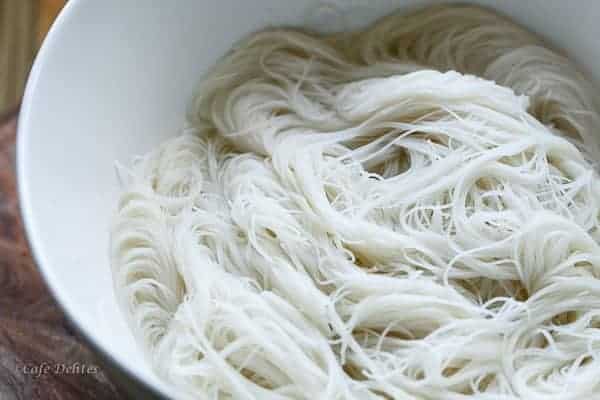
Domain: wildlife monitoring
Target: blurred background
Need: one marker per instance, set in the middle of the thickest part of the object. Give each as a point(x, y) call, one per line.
point(23, 25)
point(33, 330)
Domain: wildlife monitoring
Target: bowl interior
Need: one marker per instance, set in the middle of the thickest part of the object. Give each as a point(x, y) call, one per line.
point(113, 80)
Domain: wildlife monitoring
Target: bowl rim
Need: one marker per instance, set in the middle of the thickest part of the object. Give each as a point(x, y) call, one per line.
point(25, 117)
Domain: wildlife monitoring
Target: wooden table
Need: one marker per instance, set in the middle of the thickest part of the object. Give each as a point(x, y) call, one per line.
point(41, 358)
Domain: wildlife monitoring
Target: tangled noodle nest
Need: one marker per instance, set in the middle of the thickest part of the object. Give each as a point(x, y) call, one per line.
point(405, 212)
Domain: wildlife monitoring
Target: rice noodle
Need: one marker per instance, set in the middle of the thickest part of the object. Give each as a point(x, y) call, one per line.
point(404, 212)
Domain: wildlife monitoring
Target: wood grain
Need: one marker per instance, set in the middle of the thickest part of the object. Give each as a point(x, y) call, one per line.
point(23, 26)
point(48, 10)
point(17, 47)
point(34, 336)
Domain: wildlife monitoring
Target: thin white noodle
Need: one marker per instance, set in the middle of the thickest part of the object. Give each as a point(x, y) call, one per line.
point(360, 216)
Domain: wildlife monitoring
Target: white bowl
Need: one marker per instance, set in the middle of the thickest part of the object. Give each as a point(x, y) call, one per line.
point(113, 79)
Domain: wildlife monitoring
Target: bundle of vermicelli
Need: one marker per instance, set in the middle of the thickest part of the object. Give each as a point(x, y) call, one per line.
point(360, 217)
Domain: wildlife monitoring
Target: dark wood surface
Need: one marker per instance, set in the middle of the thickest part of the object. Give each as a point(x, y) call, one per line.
point(40, 356)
